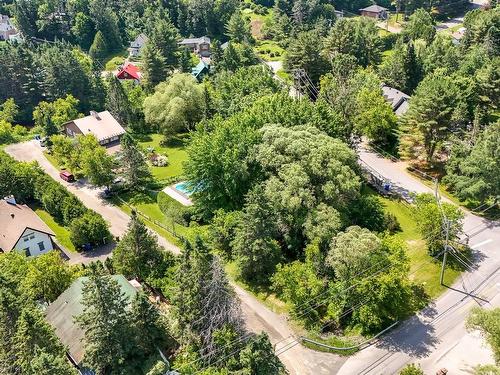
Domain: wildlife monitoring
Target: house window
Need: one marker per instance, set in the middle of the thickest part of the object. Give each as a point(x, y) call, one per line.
point(27, 251)
point(32, 236)
point(41, 246)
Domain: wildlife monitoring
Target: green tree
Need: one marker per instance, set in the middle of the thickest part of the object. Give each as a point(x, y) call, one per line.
point(427, 123)
point(89, 228)
point(104, 323)
point(238, 30)
point(133, 164)
point(176, 105)
point(154, 67)
point(9, 111)
point(411, 369)
point(375, 119)
point(117, 101)
point(305, 52)
point(47, 277)
point(98, 50)
point(258, 357)
point(164, 38)
point(488, 322)
point(83, 30)
point(431, 223)
point(44, 363)
point(185, 61)
point(138, 252)
point(420, 26)
point(97, 165)
point(476, 174)
point(52, 115)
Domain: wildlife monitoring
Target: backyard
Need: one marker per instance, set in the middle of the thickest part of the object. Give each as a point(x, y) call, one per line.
point(62, 233)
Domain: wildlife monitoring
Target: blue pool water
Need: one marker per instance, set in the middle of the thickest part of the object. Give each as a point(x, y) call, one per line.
point(183, 188)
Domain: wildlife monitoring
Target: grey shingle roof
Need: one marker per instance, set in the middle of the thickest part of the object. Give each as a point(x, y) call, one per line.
point(374, 8)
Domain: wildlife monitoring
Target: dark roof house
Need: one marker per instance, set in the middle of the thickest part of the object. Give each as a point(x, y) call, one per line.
point(199, 46)
point(61, 313)
point(397, 99)
point(375, 11)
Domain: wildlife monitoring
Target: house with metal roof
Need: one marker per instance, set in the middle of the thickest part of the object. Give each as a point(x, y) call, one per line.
point(398, 100)
point(137, 45)
point(62, 312)
point(22, 230)
point(200, 70)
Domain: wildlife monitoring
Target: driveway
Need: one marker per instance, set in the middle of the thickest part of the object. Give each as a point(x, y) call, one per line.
point(298, 359)
point(437, 337)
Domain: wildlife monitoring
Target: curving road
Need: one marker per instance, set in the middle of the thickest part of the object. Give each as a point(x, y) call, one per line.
point(436, 337)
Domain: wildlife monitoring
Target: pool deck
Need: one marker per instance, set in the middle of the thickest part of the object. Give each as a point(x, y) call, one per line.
point(178, 196)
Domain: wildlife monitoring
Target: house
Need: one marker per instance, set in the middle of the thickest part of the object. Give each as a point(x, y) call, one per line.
point(375, 11)
point(200, 46)
point(129, 71)
point(62, 312)
point(397, 99)
point(22, 230)
point(102, 125)
point(7, 29)
point(137, 45)
point(200, 70)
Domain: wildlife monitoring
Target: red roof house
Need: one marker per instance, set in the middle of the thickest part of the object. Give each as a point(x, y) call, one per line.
point(129, 71)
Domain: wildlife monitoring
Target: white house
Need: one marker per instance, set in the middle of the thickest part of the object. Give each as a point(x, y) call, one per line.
point(137, 45)
point(22, 230)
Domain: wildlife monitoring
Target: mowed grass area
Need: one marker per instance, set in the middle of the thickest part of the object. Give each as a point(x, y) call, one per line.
point(62, 233)
point(149, 210)
point(269, 50)
point(175, 150)
point(423, 268)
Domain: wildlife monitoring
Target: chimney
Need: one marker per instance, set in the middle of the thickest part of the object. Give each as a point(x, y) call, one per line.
point(95, 115)
point(10, 199)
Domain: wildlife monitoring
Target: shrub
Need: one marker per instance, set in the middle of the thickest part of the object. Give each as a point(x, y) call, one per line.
point(159, 160)
point(391, 223)
point(89, 228)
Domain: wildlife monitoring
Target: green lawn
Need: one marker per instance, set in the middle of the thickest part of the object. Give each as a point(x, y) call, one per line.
point(269, 50)
point(156, 219)
point(175, 151)
point(62, 233)
point(427, 270)
point(114, 60)
point(52, 160)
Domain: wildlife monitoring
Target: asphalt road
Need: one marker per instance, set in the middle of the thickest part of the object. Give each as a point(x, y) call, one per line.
point(436, 337)
point(297, 359)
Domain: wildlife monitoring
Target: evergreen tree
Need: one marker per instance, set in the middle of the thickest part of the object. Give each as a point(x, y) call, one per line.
point(238, 30)
point(154, 67)
point(185, 61)
point(44, 363)
point(145, 324)
point(134, 167)
point(99, 49)
point(117, 102)
point(164, 38)
point(104, 323)
point(216, 56)
point(138, 252)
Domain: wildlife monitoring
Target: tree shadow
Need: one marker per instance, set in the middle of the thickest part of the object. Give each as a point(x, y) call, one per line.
point(143, 137)
point(415, 338)
point(175, 141)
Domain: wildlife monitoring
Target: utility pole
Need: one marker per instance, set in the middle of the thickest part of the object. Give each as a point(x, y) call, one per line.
point(447, 235)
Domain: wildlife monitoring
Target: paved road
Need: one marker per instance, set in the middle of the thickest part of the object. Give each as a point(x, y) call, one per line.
point(436, 337)
point(298, 360)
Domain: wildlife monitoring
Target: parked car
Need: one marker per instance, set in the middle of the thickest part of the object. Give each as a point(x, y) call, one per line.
point(67, 176)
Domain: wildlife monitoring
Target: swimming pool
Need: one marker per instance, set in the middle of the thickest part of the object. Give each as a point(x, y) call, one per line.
point(183, 188)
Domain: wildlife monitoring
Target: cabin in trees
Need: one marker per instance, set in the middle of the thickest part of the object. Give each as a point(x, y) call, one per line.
point(398, 100)
point(137, 45)
point(375, 11)
point(200, 70)
point(61, 313)
point(22, 230)
point(129, 71)
point(199, 46)
point(102, 125)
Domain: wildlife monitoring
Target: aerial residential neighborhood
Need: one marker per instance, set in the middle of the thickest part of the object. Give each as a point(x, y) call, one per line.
point(257, 187)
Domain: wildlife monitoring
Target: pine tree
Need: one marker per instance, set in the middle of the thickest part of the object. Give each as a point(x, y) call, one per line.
point(117, 101)
point(99, 48)
point(44, 363)
point(138, 252)
point(145, 322)
point(135, 169)
point(216, 56)
point(104, 323)
point(185, 61)
point(238, 30)
point(164, 38)
point(154, 67)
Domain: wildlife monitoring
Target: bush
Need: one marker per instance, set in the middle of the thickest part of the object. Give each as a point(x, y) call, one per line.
point(391, 223)
point(389, 40)
point(72, 209)
point(159, 160)
point(89, 228)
